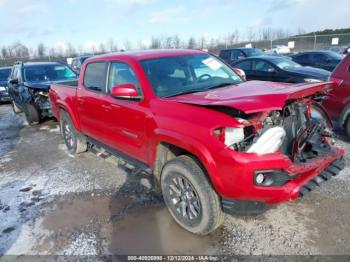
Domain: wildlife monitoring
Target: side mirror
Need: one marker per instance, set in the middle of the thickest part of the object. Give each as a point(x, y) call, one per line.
point(125, 91)
point(241, 73)
point(14, 81)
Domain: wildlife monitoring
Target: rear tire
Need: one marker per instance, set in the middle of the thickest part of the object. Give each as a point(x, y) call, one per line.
point(75, 142)
point(15, 108)
point(32, 114)
point(190, 198)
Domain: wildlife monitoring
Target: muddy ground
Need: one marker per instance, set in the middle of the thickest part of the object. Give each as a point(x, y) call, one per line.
point(56, 203)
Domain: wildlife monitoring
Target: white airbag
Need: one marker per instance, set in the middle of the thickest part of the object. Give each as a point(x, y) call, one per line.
point(269, 142)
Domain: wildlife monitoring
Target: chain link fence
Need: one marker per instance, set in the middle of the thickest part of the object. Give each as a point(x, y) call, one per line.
point(301, 43)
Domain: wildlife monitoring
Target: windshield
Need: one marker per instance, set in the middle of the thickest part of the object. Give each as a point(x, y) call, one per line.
point(253, 52)
point(48, 73)
point(4, 74)
point(334, 55)
point(285, 63)
point(171, 76)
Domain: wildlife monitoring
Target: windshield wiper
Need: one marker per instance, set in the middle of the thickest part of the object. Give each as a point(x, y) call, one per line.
point(184, 92)
point(220, 85)
point(200, 90)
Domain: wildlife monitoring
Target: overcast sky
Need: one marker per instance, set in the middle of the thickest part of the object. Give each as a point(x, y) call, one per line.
point(84, 22)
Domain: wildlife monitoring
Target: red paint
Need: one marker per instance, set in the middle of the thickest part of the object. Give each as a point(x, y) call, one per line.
point(339, 98)
point(137, 127)
point(124, 90)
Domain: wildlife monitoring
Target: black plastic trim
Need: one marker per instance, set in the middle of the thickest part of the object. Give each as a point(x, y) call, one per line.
point(121, 155)
point(244, 208)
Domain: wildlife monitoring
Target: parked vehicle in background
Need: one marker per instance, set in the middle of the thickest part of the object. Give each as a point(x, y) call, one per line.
point(213, 142)
point(77, 62)
point(4, 75)
point(327, 60)
point(342, 50)
point(278, 50)
point(234, 54)
point(338, 102)
point(29, 85)
point(280, 69)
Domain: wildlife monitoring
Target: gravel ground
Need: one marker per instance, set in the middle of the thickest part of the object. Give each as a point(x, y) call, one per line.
point(53, 203)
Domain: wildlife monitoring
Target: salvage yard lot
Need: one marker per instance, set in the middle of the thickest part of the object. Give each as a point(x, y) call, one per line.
point(54, 203)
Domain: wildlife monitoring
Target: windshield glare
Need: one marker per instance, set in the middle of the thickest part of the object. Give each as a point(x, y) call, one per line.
point(285, 63)
point(48, 73)
point(334, 55)
point(188, 73)
point(4, 74)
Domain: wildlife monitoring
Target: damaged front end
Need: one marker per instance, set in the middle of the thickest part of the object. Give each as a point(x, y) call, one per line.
point(301, 131)
point(39, 97)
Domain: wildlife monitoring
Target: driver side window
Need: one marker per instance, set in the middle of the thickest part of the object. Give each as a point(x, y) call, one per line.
point(262, 66)
point(121, 73)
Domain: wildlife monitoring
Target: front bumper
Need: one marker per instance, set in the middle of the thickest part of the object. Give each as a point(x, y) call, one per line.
point(235, 177)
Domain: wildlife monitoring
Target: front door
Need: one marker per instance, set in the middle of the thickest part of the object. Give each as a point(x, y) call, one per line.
point(126, 121)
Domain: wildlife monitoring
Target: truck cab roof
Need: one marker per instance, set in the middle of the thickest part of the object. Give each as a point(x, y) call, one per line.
point(148, 54)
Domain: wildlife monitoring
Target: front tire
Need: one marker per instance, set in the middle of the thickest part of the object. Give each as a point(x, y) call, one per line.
point(190, 198)
point(75, 142)
point(32, 114)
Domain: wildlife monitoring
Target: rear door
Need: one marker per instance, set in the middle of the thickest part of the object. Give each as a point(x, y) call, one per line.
point(90, 103)
point(263, 70)
point(14, 88)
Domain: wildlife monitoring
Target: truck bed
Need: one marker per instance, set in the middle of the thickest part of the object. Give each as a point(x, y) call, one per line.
point(63, 94)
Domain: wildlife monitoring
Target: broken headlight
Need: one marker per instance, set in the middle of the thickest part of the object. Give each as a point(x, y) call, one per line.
point(230, 135)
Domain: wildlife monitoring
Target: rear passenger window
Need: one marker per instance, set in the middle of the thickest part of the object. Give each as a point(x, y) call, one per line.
point(246, 65)
point(95, 76)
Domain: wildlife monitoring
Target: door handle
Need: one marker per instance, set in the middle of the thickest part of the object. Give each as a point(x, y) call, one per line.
point(80, 101)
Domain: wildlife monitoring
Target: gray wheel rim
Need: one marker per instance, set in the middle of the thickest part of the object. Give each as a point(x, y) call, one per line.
point(68, 134)
point(184, 198)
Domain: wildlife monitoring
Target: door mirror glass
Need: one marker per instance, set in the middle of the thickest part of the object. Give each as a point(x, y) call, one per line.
point(125, 91)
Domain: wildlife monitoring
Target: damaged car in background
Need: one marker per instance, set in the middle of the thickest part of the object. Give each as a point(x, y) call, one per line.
point(213, 142)
point(29, 85)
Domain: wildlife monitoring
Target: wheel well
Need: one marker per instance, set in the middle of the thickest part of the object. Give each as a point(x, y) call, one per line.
point(166, 152)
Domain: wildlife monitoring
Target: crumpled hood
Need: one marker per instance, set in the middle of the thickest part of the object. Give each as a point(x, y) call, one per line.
point(253, 96)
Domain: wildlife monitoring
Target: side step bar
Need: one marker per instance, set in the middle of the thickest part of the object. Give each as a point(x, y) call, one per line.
point(332, 170)
point(106, 151)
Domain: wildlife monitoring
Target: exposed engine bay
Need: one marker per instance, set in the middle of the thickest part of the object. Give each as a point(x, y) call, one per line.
point(300, 131)
point(42, 100)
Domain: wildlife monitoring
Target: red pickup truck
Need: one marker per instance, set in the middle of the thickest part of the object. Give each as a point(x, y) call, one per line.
point(213, 142)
